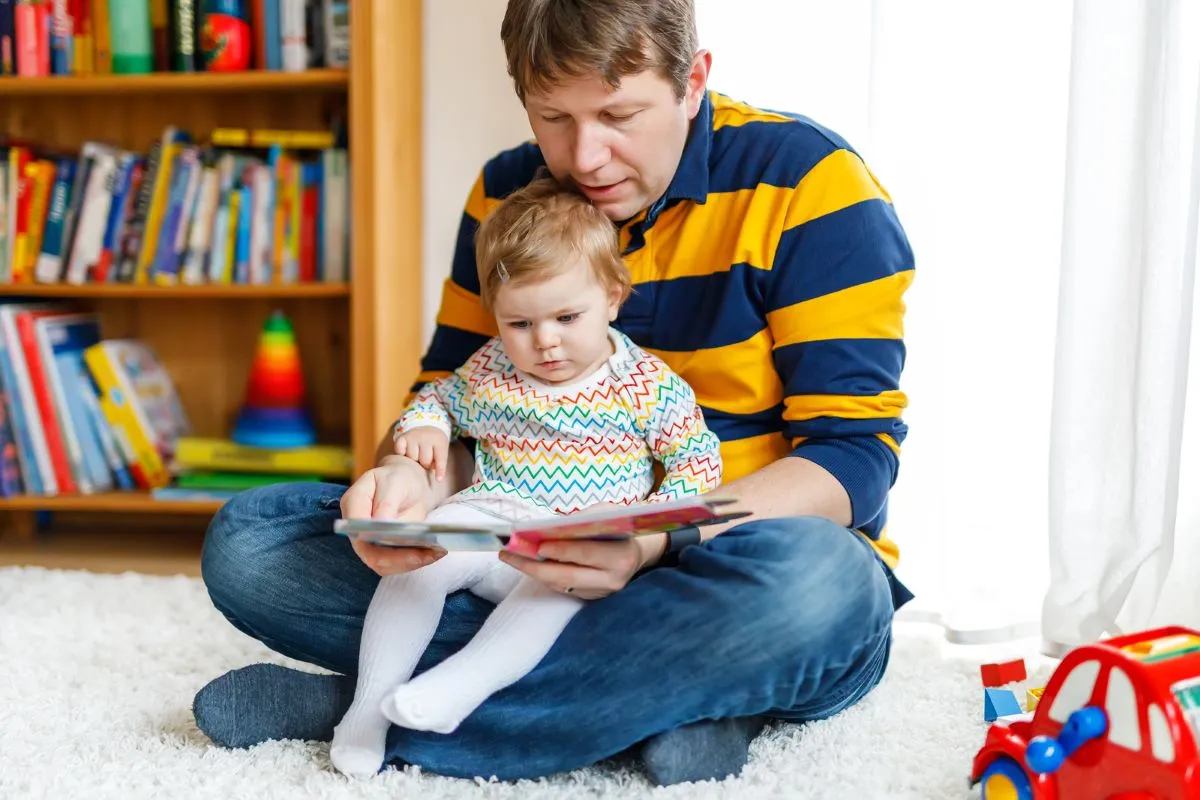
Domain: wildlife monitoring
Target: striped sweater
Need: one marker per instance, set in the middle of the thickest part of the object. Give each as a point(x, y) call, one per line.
point(569, 447)
point(770, 275)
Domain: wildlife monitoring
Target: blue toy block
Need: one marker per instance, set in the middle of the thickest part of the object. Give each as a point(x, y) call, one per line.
point(999, 703)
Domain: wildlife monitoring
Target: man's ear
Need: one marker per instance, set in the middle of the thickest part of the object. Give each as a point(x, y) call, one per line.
point(697, 81)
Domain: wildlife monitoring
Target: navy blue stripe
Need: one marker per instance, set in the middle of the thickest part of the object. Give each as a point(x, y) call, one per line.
point(838, 427)
point(511, 169)
point(463, 270)
point(698, 312)
point(774, 153)
point(864, 466)
point(730, 427)
point(859, 367)
point(450, 349)
point(856, 245)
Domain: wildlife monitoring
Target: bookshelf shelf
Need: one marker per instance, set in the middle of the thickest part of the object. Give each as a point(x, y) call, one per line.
point(126, 502)
point(132, 291)
point(172, 83)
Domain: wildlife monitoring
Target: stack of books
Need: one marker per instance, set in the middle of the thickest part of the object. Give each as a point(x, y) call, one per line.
point(217, 469)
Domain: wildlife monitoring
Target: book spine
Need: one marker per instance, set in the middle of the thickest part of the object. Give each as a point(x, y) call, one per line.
point(183, 35)
point(102, 25)
point(49, 263)
point(294, 54)
point(8, 37)
point(133, 48)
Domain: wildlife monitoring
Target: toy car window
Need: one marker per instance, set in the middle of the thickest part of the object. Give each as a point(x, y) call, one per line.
point(1121, 704)
point(1161, 743)
point(1075, 691)
point(1187, 694)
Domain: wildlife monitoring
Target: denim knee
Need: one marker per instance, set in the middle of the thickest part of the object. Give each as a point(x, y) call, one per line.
point(252, 525)
point(819, 582)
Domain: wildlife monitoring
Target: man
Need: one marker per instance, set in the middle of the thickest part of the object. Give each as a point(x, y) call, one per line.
point(768, 269)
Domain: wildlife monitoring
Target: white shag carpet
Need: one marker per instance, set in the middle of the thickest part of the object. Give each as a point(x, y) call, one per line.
point(97, 674)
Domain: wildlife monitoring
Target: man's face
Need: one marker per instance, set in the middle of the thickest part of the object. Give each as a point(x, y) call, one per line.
point(620, 147)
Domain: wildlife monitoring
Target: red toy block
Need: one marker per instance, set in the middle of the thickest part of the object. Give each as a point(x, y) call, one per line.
point(1003, 673)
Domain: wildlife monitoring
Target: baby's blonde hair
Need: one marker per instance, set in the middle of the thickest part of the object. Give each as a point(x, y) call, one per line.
point(538, 230)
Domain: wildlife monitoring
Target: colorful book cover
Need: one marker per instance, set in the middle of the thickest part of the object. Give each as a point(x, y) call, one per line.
point(141, 404)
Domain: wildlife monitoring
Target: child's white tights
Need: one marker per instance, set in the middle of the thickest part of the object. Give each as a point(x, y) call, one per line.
point(400, 622)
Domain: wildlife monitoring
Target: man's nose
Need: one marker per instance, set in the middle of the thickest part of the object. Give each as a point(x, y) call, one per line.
point(591, 151)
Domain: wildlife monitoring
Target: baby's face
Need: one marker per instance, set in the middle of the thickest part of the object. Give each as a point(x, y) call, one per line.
point(556, 329)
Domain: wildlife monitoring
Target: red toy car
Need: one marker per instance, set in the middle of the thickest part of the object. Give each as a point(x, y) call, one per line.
point(1119, 720)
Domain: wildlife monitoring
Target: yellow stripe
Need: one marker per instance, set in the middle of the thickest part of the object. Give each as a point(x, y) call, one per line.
point(730, 228)
point(886, 548)
point(873, 310)
point(744, 226)
point(889, 441)
point(478, 203)
point(463, 310)
point(736, 379)
point(729, 113)
point(885, 405)
point(838, 181)
point(741, 457)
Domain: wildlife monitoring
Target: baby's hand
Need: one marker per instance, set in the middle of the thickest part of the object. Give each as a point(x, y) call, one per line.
point(429, 447)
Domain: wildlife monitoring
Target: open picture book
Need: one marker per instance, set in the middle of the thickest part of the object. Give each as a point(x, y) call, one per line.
point(604, 524)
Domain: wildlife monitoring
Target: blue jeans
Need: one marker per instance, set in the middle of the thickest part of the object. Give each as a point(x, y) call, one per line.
point(790, 618)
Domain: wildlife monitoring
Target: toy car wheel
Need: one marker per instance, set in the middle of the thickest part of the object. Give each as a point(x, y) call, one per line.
point(1005, 780)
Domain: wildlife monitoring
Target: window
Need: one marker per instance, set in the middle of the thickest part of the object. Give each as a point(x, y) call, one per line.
point(1121, 705)
point(1075, 691)
point(1161, 743)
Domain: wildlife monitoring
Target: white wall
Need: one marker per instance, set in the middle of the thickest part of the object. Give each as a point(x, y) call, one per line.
point(470, 114)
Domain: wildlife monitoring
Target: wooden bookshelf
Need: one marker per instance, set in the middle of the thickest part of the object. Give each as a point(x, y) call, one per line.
point(105, 290)
point(129, 502)
point(359, 343)
point(256, 81)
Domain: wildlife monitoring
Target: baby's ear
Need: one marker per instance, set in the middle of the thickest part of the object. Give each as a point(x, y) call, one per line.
point(614, 303)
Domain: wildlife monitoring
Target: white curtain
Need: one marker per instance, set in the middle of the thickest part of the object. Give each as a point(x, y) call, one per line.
point(1039, 153)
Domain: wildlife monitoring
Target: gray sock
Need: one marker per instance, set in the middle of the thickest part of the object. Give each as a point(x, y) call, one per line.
point(709, 749)
point(255, 704)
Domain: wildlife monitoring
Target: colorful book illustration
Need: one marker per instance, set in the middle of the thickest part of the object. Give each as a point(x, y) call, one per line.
point(605, 524)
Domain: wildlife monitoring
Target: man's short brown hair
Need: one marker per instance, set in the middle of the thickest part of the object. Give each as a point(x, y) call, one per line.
point(541, 229)
point(549, 40)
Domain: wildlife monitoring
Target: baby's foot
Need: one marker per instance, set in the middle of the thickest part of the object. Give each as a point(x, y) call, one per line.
point(414, 706)
point(358, 744)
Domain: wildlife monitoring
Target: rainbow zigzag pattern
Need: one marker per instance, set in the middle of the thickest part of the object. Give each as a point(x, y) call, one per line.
point(571, 450)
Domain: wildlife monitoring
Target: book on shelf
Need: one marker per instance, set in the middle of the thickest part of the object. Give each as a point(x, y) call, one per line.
point(194, 453)
point(41, 38)
point(249, 207)
point(83, 414)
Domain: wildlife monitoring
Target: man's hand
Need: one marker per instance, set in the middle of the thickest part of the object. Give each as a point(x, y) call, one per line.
point(589, 569)
point(397, 489)
point(428, 446)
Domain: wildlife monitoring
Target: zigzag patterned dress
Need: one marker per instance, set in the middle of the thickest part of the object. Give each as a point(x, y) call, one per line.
point(560, 449)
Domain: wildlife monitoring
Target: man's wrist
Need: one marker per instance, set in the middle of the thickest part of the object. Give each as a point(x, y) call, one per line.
point(653, 548)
